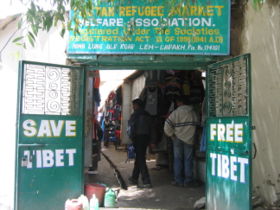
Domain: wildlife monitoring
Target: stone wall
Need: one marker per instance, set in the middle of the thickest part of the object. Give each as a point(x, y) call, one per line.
point(261, 38)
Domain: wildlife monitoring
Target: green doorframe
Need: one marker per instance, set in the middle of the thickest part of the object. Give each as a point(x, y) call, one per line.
point(144, 62)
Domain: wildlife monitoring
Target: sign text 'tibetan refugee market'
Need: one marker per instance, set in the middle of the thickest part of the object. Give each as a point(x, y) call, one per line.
point(155, 27)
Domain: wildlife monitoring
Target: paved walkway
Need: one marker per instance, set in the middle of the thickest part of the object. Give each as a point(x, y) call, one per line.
point(162, 196)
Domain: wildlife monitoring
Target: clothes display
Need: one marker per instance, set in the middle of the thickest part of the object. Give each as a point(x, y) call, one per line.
point(96, 134)
point(151, 96)
point(158, 96)
point(112, 118)
point(197, 92)
point(96, 79)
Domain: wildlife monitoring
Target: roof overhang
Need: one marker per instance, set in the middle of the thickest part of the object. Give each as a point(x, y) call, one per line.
point(145, 62)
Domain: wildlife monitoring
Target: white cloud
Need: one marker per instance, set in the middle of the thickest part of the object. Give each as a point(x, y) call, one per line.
point(9, 7)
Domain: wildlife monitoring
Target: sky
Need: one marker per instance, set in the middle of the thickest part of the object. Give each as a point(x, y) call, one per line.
point(112, 79)
point(10, 7)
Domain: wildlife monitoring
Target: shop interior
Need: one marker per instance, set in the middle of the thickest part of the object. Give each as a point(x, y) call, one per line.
point(157, 89)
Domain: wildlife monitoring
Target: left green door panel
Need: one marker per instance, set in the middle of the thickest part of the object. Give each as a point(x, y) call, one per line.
point(49, 167)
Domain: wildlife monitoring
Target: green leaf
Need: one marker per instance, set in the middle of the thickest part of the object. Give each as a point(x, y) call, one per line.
point(31, 35)
point(35, 29)
point(257, 4)
point(30, 39)
point(17, 39)
point(62, 32)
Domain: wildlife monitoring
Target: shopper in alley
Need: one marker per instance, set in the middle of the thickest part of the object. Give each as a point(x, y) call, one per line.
point(139, 131)
point(181, 127)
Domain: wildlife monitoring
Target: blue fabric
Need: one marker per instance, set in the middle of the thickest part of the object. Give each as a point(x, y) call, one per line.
point(96, 96)
point(103, 128)
point(203, 141)
point(130, 151)
point(183, 161)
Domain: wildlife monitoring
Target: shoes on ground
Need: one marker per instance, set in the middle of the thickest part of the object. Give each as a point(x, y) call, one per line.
point(147, 186)
point(176, 184)
point(132, 181)
point(92, 172)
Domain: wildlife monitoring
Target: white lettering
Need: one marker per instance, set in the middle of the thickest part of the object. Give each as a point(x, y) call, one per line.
point(49, 128)
point(238, 133)
point(28, 126)
point(56, 129)
point(221, 132)
point(219, 165)
point(213, 156)
point(70, 129)
point(229, 132)
point(225, 166)
point(243, 162)
point(70, 153)
point(59, 157)
point(233, 168)
point(44, 129)
point(48, 158)
point(27, 158)
point(226, 132)
point(213, 132)
point(39, 159)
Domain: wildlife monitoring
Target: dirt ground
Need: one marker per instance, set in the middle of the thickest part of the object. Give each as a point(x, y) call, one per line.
point(163, 195)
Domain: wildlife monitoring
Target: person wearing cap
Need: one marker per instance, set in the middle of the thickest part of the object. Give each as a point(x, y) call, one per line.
point(140, 129)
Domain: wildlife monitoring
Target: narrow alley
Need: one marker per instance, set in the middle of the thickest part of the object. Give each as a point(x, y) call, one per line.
point(163, 195)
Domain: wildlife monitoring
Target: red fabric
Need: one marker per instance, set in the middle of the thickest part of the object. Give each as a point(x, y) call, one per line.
point(118, 134)
point(111, 95)
point(96, 79)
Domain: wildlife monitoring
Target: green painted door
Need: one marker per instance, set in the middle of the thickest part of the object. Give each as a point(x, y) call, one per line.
point(49, 166)
point(229, 135)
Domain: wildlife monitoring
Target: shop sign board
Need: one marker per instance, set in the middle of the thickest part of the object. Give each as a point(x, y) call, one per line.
point(229, 139)
point(155, 27)
point(49, 165)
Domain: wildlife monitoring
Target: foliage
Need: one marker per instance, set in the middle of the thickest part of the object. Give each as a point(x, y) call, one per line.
point(39, 17)
point(257, 3)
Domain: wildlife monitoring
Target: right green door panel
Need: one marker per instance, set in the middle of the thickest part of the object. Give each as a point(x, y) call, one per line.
point(229, 139)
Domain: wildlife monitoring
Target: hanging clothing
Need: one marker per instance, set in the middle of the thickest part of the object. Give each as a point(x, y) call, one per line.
point(96, 79)
point(96, 96)
point(197, 91)
point(152, 97)
point(152, 101)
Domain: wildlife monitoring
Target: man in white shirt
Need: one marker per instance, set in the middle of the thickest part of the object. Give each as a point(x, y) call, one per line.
point(181, 126)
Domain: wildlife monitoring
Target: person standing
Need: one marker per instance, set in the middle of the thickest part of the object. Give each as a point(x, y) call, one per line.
point(107, 127)
point(181, 127)
point(140, 129)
